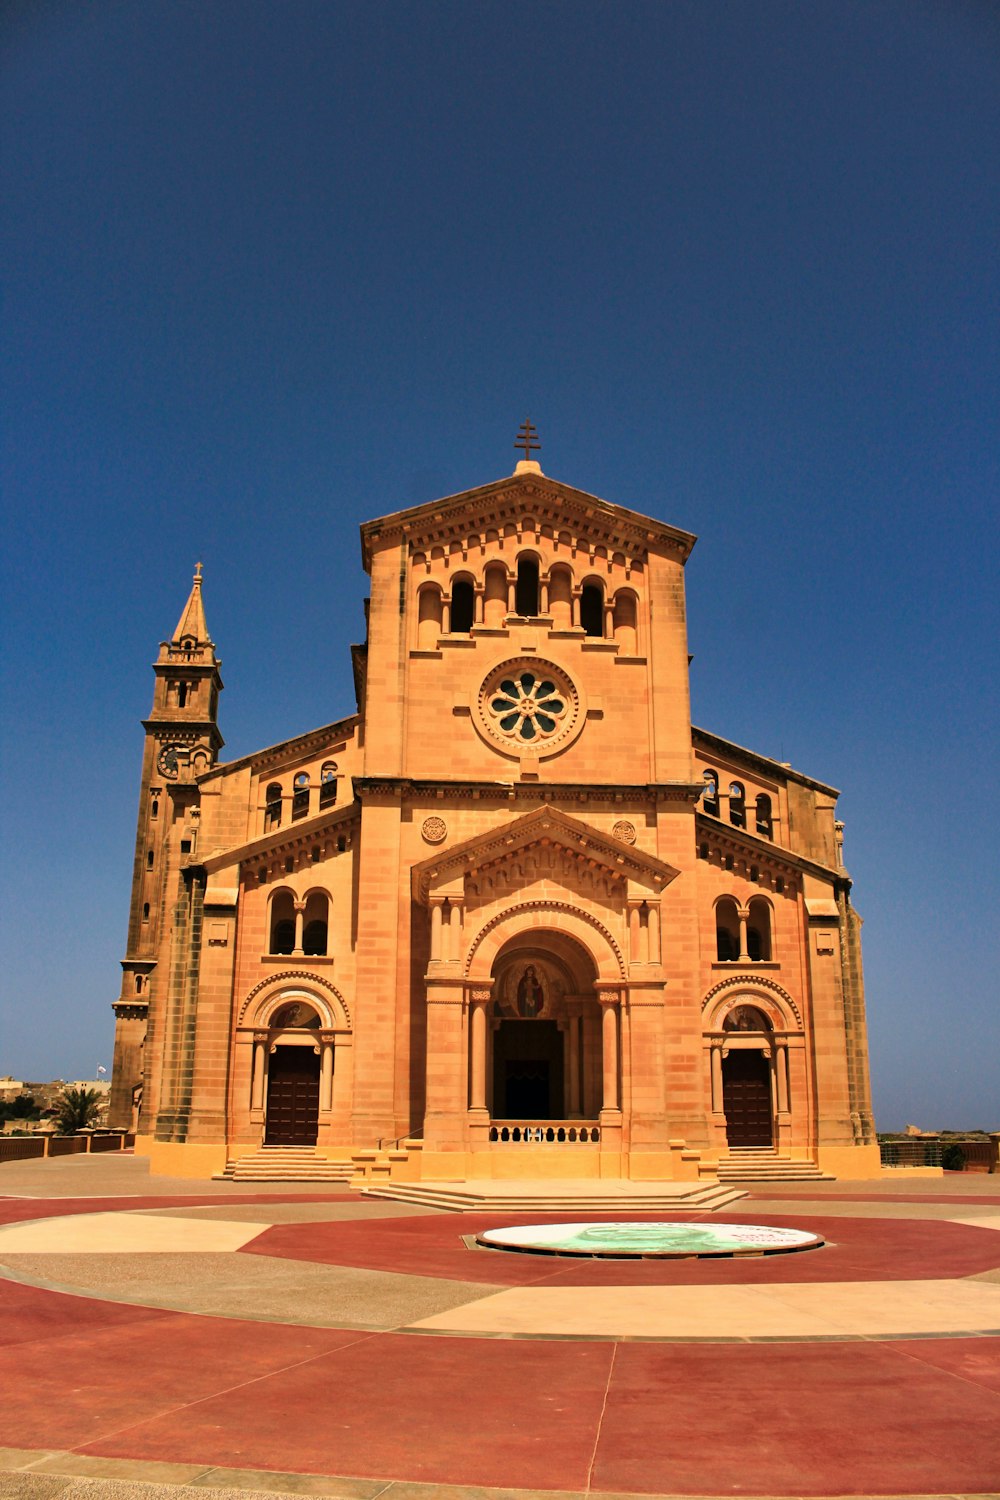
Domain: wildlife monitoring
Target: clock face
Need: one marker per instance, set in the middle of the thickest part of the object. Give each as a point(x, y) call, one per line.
point(167, 762)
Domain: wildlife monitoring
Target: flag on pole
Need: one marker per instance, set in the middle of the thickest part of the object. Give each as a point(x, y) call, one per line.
point(100, 1070)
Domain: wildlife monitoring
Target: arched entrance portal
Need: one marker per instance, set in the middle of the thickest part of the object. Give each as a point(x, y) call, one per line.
point(293, 1078)
point(545, 1038)
point(746, 1078)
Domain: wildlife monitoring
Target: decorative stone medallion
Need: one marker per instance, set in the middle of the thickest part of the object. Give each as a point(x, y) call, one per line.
point(625, 831)
point(650, 1241)
point(434, 830)
point(528, 707)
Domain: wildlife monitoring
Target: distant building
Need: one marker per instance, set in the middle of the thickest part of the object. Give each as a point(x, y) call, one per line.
point(515, 906)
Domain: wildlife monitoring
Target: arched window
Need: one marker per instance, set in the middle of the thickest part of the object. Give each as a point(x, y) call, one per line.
point(300, 795)
point(626, 623)
point(145, 911)
point(746, 1018)
point(526, 589)
point(154, 811)
point(138, 984)
point(272, 807)
point(328, 784)
point(282, 923)
point(711, 799)
point(182, 694)
point(314, 925)
point(150, 858)
point(561, 598)
point(737, 805)
point(764, 825)
point(429, 616)
point(759, 930)
point(727, 931)
point(592, 609)
point(462, 603)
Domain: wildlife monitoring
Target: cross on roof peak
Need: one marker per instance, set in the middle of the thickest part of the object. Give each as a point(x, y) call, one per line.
point(527, 442)
point(527, 437)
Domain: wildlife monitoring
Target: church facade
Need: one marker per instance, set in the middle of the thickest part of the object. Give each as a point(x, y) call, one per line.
point(514, 916)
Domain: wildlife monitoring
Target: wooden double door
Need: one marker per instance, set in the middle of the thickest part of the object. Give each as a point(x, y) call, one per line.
point(746, 1098)
point(292, 1097)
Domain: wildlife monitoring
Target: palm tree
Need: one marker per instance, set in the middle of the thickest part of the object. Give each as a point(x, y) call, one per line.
point(77, 1109)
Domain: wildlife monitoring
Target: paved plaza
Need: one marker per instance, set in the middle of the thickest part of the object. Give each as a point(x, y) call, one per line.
point(164, 1337)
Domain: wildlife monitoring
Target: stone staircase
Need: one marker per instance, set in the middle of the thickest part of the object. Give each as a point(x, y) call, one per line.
point(573, 1196)
point(286, 1164)
point(749, 1164)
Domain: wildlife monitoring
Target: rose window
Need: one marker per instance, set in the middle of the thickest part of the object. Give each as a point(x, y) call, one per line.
point(527, 706)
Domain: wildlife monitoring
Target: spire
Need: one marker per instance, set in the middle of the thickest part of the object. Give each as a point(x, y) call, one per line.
point(191, 625)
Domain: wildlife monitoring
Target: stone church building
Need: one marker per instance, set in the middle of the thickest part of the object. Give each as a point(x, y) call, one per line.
point(514, 915)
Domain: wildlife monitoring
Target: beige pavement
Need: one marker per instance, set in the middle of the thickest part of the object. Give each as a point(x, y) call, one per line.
point(855, 1309)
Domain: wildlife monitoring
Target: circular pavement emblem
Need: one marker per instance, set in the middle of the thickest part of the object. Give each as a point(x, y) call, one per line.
point(649, 1240)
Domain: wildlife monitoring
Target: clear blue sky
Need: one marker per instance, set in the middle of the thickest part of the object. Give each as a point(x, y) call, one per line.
point(273, 268)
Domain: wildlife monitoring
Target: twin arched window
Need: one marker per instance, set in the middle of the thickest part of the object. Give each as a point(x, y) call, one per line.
point(523, 594)
point(285, 928)
point(728, 944)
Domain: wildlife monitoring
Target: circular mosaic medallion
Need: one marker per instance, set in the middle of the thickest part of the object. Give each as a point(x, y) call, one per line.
point(528, 707)
point(625, 831)
point(649, 1240)
point(434, 830)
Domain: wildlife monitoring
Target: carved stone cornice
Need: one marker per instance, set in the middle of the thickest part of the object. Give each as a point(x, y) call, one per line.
point(750, 849)
point(506, 504)
point(291, 840)
point(130, 1010)
point(611, 795)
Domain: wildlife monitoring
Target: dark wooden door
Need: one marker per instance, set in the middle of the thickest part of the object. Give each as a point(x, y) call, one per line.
point(746, 1099)
point(292, 1097)
point(528, 1071)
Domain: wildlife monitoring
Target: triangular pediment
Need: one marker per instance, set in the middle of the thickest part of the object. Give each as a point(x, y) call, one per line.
point(545, 827)
point(506, 505)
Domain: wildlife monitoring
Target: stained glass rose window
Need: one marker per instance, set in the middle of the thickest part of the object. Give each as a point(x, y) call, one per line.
point(528, 706)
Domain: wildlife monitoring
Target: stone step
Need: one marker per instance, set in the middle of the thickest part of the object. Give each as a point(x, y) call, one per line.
point(509, 1201)
point(761, 1165)
point(286, 1164)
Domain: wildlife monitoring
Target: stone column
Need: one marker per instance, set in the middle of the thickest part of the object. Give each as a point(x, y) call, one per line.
point(543, 595)
point(634, 930)
point(781, 1069)
point(653, 925)
point(744, 951)
point(446, 616)
point(479, 602)
point(609, 1049)
point(479, 999)
point(717, 1077)
point(259, 1068)
point(575, 609)
point(300, 912)
point(573, 1062)
point(436, 904)
point(326, 1073)
point(609, 621)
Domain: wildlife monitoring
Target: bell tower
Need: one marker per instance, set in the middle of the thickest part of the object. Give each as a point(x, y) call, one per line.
point(182, 741)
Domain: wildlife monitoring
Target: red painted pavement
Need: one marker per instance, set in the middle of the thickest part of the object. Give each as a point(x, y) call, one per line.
point(856, 1250)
